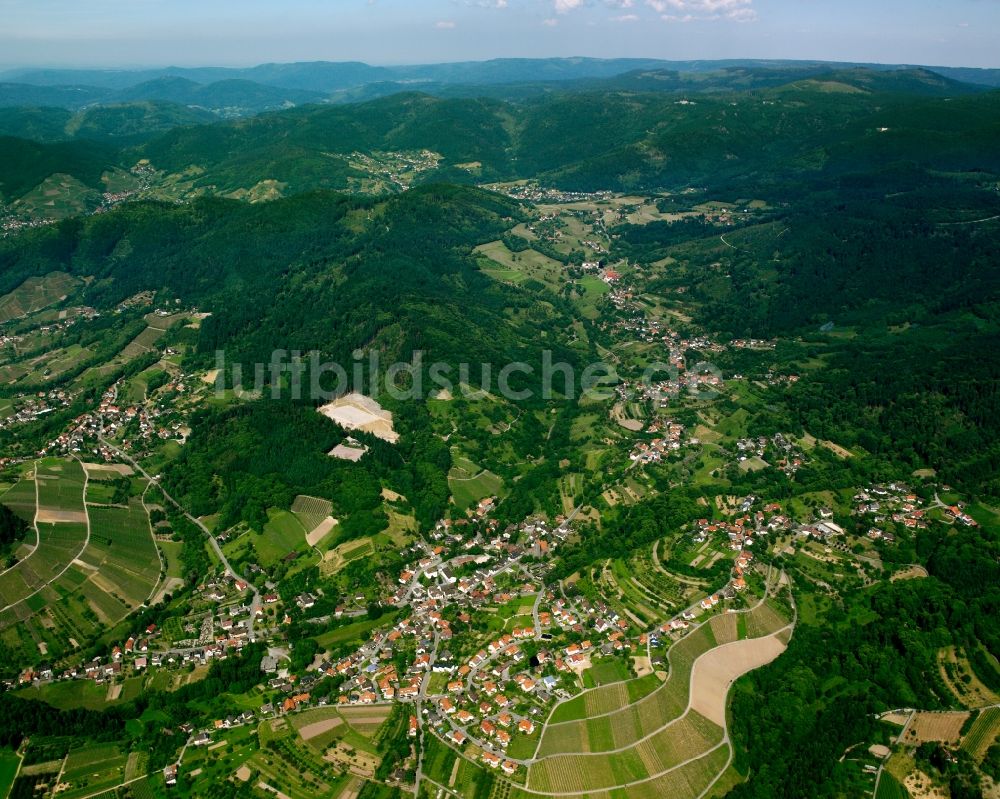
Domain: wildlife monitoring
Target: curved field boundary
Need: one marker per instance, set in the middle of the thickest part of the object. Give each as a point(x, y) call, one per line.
point(59, 544)
point(669, 699)
point(697, 732)
point(715, 671)
point(688, 780)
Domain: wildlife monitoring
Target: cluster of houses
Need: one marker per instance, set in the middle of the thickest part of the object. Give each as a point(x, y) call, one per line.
point(893, 502)
point(145, 423)
point(779, 450)
point(533, 192)
point(34, 407)
point(669, 440)
point(397, 168)
point(212, 637)
point(753, 344)
point(743, 530)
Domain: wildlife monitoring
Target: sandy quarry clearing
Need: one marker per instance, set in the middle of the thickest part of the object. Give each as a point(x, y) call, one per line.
point(54, 516)
point(358, 412)
point(317, 728)
point(318, 533)
point(717, 669)
point(348, 453)
point(170, 585)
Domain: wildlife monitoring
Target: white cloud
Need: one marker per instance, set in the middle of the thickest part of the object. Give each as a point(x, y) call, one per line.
point(445, 25)
point(551, 22)
point(693, 10)
point(565, 6)
point(626, 18)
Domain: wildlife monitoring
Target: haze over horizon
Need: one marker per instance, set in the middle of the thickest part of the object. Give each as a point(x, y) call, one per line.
point(150, 33)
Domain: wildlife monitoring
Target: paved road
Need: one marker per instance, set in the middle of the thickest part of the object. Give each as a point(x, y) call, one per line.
point(421, 696)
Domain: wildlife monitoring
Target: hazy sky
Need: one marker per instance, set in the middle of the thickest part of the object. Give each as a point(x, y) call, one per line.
point(245, 32)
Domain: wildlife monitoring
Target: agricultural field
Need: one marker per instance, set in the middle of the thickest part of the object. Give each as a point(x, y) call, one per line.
point(60, 490)
point(91, 769)
point(945, 727)
point(122, 554)
point(9, 762)
point(890, 788)
point(311, 511)
point(36, 293)
point(703, 665)
point(502, 264)
point(93, 566)
point(20, 498)
point(284, 761)
point(58, 545)
point(59, 196)
point(983, 733)
point(283, 534)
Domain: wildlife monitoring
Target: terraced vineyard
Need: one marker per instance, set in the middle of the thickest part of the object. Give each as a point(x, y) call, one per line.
point(92, 566)
point(36, 293)
point(670, 741)
point(121, 553)
point(983, 732)
point(311, 511)
point(62, 532)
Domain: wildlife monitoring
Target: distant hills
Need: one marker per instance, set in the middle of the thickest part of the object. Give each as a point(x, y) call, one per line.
point(327, 77)
point(752, 128)
point(229, 92)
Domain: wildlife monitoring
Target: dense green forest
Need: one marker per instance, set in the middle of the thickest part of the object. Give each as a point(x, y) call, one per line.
point(874, 651)
point(320, 272)
point(624, 139)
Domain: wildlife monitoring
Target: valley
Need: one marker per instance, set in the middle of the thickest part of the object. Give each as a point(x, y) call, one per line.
point(736, 504)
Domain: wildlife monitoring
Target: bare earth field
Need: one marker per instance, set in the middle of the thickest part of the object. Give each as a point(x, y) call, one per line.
point(317, 534)
point(53, 516)
point(717, 669)
point(926, 726)
point(319, 727)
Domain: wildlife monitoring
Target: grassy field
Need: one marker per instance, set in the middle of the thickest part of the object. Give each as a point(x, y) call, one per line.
point(352, 632)
point(593, 289)
point(501, 264)
point(74, 694)
point(608, 670)
point(9, 762)
point(467, 492)
point(283, 534)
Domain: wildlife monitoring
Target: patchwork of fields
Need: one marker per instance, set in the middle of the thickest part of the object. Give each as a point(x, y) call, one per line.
point(671, 740)
point(93, 564)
